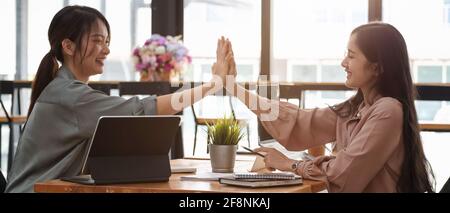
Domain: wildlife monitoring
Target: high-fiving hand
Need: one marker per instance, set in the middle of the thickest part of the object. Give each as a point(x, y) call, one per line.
point(223, 57)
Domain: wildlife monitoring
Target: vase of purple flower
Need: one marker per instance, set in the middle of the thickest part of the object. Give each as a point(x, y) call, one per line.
point(161, 58)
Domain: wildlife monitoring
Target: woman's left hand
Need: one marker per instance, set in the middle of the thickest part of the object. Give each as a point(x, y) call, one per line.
point(275, 159)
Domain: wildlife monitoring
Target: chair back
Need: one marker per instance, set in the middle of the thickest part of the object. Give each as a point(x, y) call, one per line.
point(433, 93)
point(106, 88)
point(446, 187)
point(7, 88)
point(221, 93)
point(144, 88)
point(2, 182)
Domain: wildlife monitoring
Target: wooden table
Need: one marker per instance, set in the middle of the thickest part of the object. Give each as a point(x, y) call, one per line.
point(175, 185)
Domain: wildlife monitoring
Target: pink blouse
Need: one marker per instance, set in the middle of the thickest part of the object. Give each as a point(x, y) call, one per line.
point(369, 148)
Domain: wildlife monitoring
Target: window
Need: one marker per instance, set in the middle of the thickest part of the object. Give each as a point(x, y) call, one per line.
point(118, 66)
point(239, 20)
point(429, 74)
point(304, 73)
point(39, 18)
point(429, 47)
point(448, 74)
point(8, 39)
point(333, 73)
point(312, 31)
point(425, 27)
point(447, 12)
point(309, 39)
point(90, 3)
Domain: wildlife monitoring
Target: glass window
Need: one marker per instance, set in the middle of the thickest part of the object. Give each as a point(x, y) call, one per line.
point(447, 12)
point(304, 73)
point(40, 14)
point(429, 74)
point(8, 39)
point(333, 73)
point(431, 41)
point(334, 95)
point(427, 110)
point(318, 30)
point(118, 66)
point(90, 3)
point(239, 20)
point(448, 75)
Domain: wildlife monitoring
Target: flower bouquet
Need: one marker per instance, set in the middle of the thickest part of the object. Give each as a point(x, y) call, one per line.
point(161, 58)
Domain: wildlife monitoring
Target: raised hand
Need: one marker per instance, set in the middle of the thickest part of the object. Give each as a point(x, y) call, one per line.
point(232, 64)
point(220, 69)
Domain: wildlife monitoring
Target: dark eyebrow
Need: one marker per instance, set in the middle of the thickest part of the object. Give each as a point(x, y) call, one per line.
point(351, 51)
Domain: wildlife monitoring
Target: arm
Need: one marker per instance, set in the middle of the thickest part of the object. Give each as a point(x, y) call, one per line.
point(173, 103)
point(355, 167)
point(165, 106)
point(294, 128)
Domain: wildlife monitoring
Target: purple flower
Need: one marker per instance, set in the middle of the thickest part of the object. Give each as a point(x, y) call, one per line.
point(150, 56)
point(140, 66)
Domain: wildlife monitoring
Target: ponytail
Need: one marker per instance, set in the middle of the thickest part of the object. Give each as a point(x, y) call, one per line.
point(46, 73)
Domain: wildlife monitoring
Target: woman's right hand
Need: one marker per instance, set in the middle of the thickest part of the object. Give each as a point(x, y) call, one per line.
point(221, 68)
point(274, 159)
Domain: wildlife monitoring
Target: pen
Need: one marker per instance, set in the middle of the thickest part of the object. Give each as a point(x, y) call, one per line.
point(250, 150)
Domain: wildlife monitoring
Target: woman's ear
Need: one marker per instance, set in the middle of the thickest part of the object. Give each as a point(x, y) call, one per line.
point(376, 69)
point(68, 47)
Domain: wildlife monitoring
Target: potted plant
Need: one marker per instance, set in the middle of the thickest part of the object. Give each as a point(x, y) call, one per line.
point(223, 138)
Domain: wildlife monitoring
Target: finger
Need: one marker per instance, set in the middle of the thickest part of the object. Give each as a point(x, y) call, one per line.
point(229, 57)
point(213, 68)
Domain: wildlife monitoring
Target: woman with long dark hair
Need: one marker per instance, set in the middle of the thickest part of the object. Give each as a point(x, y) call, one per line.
point(64, 109)
point(378, 146)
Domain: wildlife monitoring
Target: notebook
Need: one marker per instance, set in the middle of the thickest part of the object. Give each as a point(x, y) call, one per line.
point(257, 183)
point(208, 176)
point(267, 176)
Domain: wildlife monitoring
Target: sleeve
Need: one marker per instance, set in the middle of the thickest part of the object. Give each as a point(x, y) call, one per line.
point(93, 104)
point(354, 167)
point(298, 129)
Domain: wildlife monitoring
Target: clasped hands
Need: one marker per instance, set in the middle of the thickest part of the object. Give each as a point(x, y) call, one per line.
point(224, 69)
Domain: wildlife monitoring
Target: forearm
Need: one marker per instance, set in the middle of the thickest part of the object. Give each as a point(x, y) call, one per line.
point(257, 104)
point(174, 103)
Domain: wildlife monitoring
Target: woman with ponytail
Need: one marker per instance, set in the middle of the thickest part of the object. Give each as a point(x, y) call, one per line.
point(64, 109)
point(376, 132)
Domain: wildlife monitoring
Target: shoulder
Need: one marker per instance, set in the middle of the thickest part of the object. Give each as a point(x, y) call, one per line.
point(64, 91)
point(387, 106)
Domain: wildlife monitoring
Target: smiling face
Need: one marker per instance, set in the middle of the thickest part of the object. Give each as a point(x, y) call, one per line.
point(94, 50)
point(361, 73)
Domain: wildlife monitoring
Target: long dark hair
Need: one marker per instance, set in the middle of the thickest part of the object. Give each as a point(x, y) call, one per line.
point(383, 44)
point(71, 22)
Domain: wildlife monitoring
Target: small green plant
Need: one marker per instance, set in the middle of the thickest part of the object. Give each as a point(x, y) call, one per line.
point(226, 131)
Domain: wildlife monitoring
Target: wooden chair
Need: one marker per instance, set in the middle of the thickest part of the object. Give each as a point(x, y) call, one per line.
point(154, 88)
point(106, 88)
point(434, 92)
point(204, 121)
point(7, 118)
